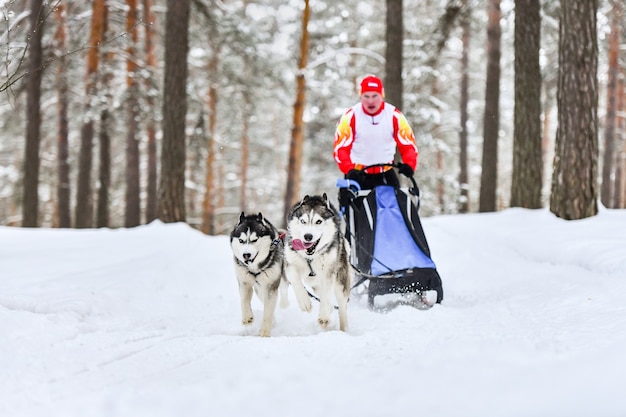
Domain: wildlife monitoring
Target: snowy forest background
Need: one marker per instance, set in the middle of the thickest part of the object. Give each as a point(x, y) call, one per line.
point(241, 87)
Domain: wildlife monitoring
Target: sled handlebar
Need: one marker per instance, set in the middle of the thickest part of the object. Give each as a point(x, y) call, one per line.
point(346, 183)
point(413, 190)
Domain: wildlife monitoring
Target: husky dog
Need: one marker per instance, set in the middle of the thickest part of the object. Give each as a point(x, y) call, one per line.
point(259, 265)
point(316, 254)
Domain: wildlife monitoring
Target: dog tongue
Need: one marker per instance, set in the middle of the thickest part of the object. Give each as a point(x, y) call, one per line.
point(297, 244)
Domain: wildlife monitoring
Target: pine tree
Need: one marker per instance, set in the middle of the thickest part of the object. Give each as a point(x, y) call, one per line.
point(574, 181)
point(526, 183)
point(30, 208)
point(172, 183)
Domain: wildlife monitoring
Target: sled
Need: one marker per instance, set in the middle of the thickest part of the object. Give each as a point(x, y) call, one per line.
point(389, 251)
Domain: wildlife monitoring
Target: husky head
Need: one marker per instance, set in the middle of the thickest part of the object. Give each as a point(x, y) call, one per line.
point(313, 224)
point(251, 239)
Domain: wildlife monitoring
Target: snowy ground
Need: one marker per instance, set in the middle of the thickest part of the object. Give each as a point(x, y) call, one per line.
point(146, 322)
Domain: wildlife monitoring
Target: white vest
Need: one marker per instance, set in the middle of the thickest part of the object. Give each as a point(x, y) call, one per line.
point(374, 141)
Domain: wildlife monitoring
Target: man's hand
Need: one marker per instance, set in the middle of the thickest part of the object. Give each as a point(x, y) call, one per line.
point(345, 197)
point(356, 175)
point(405, 170)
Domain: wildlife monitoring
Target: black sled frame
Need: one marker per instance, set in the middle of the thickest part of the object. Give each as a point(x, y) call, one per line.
point(412, 280)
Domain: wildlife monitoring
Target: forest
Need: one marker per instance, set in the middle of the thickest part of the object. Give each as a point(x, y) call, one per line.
point(114, 113)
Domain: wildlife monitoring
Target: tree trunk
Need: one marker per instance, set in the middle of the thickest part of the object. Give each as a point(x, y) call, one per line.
point(104, 138)
point(491, 120)
point(172, 183)
point(208, 206)
point(151, 64)
point(545, 136)
point(133, 206)
point(221, 197)
point(64, 211)
point(245, 150)
point(607, 189)
point(620, 170)
point(30, 208)
point(574, 181)
point(436, 128)
point(104, 172)
point(463, 174)
point(394, 36)
point(84, 200)
point(527, 180)
point(297, 136)
point(195, 145)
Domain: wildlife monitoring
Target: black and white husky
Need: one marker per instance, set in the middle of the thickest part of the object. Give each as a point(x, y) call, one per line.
point(317, 255)
point(258, 251)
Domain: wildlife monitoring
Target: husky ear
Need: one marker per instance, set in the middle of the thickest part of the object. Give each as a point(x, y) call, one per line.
point(325, 199)
point(241, 216)
point(259, 217)
point(306, 197)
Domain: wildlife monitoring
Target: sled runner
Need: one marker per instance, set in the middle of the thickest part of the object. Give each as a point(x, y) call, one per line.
point(389, 251)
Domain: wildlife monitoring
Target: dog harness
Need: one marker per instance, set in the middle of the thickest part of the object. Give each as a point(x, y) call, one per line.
point(277, 241)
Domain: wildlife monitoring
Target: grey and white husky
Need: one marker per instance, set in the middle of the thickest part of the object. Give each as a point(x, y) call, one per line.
point(258, 251)
point(317, 255)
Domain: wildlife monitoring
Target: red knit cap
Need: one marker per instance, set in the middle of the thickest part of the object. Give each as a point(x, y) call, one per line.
point(372, 83)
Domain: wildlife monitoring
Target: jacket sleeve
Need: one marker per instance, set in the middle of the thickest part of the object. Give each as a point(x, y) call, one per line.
point(344, 137)
point(405, 140)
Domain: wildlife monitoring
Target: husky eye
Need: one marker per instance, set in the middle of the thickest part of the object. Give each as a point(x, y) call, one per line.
point(253, 240)
point(302, 221)
point(318, 221)
point(242, 241)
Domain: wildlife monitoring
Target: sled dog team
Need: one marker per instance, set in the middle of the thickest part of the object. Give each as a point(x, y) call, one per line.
point(311, 255)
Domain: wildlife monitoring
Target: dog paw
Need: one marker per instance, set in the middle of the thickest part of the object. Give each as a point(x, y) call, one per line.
point(323, 322)
point(246, 321)
point(264, 332)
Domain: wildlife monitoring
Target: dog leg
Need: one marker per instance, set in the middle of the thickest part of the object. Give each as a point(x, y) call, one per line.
point(326, 306)
point(302, 296)
point(245, 291)
point(284, 292)
point(304, 300)
point(269, 307)
point(342, 289)
point(342, 303)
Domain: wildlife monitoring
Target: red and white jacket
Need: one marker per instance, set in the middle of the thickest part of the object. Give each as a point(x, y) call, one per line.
point(362, 139)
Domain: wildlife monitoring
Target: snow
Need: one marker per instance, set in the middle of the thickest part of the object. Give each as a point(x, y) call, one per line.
point(146, 322)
